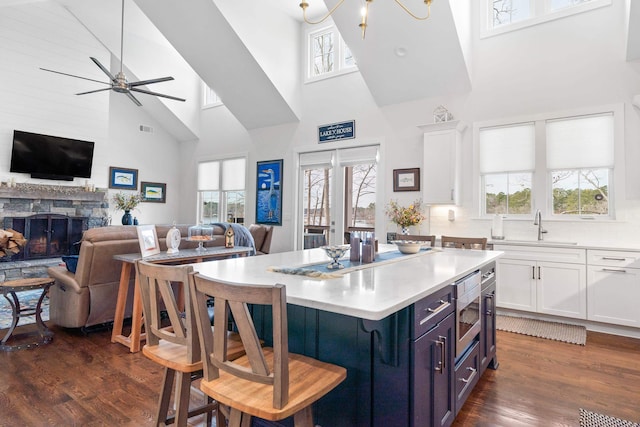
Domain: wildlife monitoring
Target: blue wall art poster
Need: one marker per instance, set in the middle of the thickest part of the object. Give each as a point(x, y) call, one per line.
point(269, 193)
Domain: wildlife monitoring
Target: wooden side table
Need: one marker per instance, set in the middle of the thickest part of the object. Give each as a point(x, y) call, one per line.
point(10, 289)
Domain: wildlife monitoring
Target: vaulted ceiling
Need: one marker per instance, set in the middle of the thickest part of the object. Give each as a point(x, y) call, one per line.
point(252, 56)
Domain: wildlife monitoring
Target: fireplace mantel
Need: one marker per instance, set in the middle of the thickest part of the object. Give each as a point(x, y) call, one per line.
point(51, 192)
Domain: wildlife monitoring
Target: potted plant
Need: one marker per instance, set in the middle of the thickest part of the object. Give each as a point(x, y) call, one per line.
point(405, 216)
point(126, 202)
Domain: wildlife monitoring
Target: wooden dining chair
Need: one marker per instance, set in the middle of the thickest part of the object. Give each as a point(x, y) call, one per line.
point(464, 242)
point(431, 239)
point(269, 383)
point(174, 343)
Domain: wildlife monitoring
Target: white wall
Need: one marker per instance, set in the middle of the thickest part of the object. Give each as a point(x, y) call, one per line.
point(43, 34)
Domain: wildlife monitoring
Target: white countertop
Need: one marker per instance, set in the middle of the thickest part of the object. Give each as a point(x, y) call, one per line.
point(371, 293)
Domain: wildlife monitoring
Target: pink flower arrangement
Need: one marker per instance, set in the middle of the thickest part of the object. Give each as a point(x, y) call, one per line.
point(405, 217)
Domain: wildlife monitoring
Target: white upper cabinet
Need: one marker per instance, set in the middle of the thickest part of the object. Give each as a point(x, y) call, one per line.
point(441, 166)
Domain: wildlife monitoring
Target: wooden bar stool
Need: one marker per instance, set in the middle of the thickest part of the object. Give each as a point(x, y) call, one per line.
point(464, 242)
point(175, 345)
point(269, 383)
point(431, 239)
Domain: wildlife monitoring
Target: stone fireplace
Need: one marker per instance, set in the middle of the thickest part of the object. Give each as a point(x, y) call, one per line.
point(52, 217)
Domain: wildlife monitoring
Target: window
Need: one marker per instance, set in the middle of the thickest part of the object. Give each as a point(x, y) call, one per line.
point(221, 190)
point(328, 54)
point(507, 163)
point(209, 98)
point(500, 16)
point(580, 161)
point(566, 163)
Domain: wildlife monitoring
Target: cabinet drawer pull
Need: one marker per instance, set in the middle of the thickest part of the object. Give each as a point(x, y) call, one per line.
point(613, 259)
point(473, 373)
point(443, 305)
point(533, 272)
point(614, 270)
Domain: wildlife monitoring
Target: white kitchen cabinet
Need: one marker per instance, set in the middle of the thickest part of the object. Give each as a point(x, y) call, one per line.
point(543, 280)
point(441, 166)
point(613, 289)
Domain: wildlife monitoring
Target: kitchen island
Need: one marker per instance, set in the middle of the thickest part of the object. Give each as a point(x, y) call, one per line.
point(364, 320)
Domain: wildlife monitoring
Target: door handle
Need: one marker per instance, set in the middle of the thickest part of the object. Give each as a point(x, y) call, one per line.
point(439, 366)
point(442, 365)
point(539, 273)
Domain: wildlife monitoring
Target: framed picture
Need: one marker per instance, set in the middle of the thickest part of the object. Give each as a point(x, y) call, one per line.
point(406, 179)
point(269, 192)
point(122, 178)
point(148, 240)
point(153, 192)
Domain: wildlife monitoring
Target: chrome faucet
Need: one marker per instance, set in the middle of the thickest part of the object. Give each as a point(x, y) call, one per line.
point(538, 221)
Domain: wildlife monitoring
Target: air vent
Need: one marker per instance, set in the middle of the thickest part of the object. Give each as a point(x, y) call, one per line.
point(147, 129)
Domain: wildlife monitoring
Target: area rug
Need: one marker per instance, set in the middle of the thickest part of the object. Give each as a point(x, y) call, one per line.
point(27, 298)
point(573, 334)
point(591, 419)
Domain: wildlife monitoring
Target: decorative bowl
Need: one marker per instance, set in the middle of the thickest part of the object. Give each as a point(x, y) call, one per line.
point(335, 252)
point(408, 246)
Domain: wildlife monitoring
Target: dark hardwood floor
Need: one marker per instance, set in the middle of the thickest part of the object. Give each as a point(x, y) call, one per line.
point(82, 380)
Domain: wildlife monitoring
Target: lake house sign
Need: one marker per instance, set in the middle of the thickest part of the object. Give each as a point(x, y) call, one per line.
point(336, 131)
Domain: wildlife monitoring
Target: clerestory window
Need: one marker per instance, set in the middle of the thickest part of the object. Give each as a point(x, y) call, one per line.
point(499, 16)
point(327, 54)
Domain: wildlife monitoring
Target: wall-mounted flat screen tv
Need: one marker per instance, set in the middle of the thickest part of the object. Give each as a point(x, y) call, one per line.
point(51, 157)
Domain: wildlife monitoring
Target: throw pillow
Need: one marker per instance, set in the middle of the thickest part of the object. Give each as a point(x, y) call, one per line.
point(258, 232)
point(71, 261)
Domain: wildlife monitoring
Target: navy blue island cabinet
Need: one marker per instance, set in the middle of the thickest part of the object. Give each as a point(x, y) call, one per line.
point(399, 369)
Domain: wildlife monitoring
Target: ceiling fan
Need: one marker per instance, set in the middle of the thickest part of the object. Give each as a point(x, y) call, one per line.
point(119, 82)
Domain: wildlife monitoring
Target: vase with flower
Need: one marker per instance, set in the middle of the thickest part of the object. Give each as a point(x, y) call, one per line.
point(405, 216)
point(126, 202)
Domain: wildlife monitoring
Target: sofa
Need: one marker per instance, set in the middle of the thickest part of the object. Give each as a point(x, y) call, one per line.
point(87, 297)
point(262, 235)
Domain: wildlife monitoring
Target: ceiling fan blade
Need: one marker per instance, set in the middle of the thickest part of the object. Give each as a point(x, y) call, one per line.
point(134, 99)
point(73, 75)
point(150, 81)
point(104, 70)
point(175, 98)
point(94, 91)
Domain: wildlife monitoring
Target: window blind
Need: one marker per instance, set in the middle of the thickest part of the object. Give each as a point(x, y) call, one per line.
point(507, 148)
point(580, 142)
point(316, 160)
point(209, 176)
point(358, 155)
point(233, 174)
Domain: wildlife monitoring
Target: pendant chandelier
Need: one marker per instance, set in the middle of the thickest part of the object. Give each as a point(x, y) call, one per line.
point(364, 12)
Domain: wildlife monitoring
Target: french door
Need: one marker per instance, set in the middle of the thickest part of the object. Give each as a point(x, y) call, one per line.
point(337, 194)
